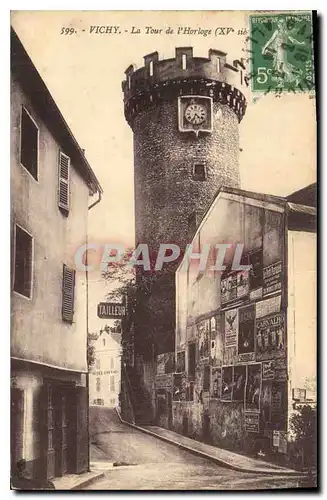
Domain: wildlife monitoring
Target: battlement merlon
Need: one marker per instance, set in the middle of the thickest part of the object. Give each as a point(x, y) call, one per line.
point(183, 66)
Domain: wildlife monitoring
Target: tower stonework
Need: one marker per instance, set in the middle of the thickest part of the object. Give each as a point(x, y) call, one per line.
point(182, 155)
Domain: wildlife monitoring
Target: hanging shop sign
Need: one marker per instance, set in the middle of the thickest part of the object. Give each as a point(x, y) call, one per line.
point(272, 278)
point(111, 310)
point(245, 340)
point(251, 422)
point(270, 337)
point(253, 387)
point(231, 327)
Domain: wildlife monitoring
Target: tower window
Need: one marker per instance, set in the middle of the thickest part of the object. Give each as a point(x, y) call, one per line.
point(199, 172)
point(218, 65)
point(151, 68)
point(184, 61)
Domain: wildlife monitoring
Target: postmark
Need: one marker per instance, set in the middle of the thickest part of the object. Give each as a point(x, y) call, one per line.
point(281, 53)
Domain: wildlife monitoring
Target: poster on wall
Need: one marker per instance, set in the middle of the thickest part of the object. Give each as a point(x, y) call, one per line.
point(278, 404)
point(239, 380)
point(270, 336)
point(204, 339)
point(245, 340)
point(216, 343)
point(251, 422)
point(180, 362)
point(242, 284)
point(274, 369)
point(253, 387)
point(272, 278)
point(215, 382)
point(266, 401)
point(228, 288)
point(268, 306)
point(165, 363)
point(231, 327)
point(255, 275)
point(180, 387)
point(226, 383)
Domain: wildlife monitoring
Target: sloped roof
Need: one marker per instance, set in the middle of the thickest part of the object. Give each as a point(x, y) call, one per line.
point(24, 70)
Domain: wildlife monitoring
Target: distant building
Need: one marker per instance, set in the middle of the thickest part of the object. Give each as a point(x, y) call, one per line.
point(51, 184)
point(245, 353)
point(105, 374)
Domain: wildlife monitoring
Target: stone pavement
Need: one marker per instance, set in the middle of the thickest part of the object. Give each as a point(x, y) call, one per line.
point(76, 481)
point(220, 456)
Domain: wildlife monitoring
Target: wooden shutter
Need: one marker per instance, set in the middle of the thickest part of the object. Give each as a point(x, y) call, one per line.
point(68, 287)
point(63, 196)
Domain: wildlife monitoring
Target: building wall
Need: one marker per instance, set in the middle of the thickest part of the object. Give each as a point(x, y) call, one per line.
point(107, 365)
point(37, 330)
point(203, 311)
point(301, 315)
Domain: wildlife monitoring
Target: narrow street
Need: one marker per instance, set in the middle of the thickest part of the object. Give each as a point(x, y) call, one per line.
point(144, 462)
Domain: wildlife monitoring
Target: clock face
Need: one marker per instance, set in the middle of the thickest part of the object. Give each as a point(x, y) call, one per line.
point(196, 113)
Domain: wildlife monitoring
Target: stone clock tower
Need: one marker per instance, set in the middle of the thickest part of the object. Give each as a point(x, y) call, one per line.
point(185, 114)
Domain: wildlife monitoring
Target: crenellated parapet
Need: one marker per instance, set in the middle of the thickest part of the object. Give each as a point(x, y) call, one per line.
point(184, 75)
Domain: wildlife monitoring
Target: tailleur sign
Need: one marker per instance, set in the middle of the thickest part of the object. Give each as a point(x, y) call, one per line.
point(111, 310)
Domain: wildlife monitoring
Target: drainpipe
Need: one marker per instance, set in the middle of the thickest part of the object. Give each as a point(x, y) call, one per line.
point(87, 333)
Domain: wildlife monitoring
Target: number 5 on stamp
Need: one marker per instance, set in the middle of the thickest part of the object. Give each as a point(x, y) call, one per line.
point(282, 52)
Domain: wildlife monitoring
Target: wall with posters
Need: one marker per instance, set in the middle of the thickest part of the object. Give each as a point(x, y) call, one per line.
point(231, 389)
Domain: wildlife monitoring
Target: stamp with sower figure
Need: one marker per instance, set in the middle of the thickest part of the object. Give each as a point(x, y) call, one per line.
point(281, 53)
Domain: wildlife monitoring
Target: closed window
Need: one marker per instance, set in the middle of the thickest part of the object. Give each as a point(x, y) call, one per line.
point(63, 192)
point(29, 143)
point(199, 172)
point(23, 262)
point(98, 386)
point(68, 289)
point(112, 383)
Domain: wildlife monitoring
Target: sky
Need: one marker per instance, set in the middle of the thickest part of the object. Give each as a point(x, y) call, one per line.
point(84, 71)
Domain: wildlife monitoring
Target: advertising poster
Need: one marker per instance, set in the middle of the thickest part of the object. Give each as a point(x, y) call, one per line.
point(164, 381)
point(180, 362)
point(227, 383)
point(180, 387)
point(204, 339)
point(270, 337)
point(246, 333)
point(251, 422)
point(255, 274)
point(165, 363)
point(268, 306)
point(266, 401)
point(228, 287)
point(215, 382)
point(272, 278)
point(231, 327)
point(239, 383)
point(268, 370)
point(253, 387)
point(217, 347)
point(242, 284)
point(278, 404)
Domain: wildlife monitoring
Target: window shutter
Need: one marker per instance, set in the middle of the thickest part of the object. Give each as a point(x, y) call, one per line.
point(64, 164)
point(68, 287)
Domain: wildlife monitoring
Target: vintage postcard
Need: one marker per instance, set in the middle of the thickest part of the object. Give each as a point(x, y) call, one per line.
point(163, 250)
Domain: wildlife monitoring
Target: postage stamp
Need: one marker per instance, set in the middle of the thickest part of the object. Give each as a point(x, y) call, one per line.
point(281, 48)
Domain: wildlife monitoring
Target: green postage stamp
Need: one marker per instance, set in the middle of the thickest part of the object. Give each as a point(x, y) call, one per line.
point(281, 52)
